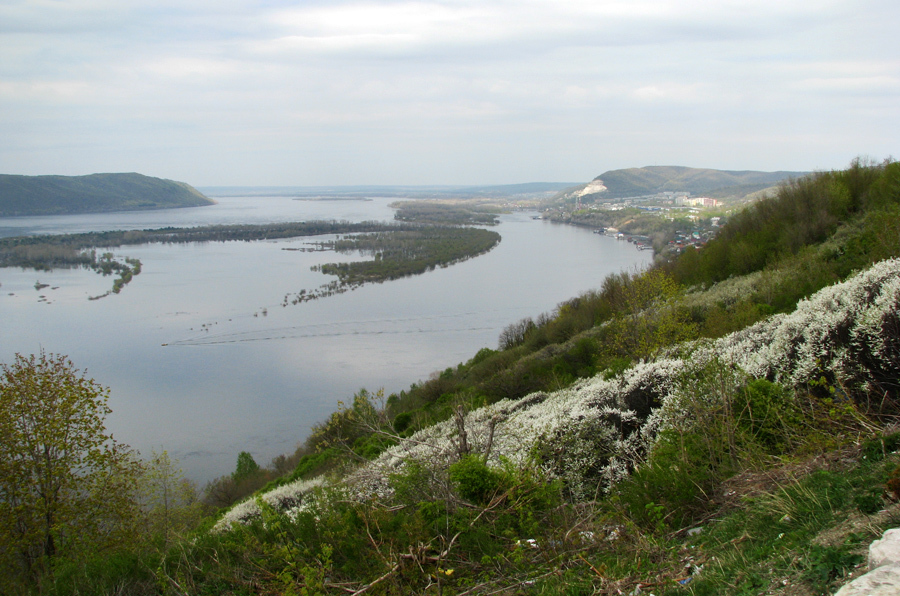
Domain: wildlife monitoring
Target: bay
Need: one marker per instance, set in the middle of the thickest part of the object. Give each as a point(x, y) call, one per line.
point(202, 359)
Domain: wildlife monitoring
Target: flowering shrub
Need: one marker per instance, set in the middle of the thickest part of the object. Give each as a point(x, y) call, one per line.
point(848, 331)
point(592, 434)
point(288, 497)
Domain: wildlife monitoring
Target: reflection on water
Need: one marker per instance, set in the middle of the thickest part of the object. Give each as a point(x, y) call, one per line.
point(203, 360)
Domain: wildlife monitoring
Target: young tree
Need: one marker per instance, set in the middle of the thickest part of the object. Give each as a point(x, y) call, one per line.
point(246, 467)
point(649, 318)
point(170, 500)
point(66, 488)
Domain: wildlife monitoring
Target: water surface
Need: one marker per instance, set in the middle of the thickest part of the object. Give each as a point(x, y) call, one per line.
point(201, 358)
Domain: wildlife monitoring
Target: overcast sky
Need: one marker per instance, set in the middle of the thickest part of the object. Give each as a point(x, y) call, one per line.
point(270, 92)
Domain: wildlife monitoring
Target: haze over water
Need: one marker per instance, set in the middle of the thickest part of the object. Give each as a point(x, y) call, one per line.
point(201, 358)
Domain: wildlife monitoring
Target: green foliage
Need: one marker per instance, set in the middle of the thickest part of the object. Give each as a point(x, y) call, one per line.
point(66, 488)
point(804, 212)
point(776, 539)
point(825, 564)
point(768, 414)
point(399, 253)
point(116, 572)
point(474, 480)
point(720, 423)
point(676, 484)
point(362, 430)
point(170, 501)
point(246, 467)
point(649, 318)
point(876, 449)
point(434, 212)
point(314, 463)
point(96, 193)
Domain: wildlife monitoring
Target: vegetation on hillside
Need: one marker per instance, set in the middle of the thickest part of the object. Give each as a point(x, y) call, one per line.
point(96, 193)
point(714, 424)
point(633, 182)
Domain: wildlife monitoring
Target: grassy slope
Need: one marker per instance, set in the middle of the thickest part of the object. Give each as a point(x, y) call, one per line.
point(55, 195)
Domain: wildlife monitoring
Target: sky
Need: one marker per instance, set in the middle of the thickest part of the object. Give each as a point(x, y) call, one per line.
point(270, 92)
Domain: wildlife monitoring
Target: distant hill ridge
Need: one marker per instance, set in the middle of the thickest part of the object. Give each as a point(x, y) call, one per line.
point(632, 182)
point(94, 193)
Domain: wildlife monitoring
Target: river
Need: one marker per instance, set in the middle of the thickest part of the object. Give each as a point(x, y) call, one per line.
point(202, 359)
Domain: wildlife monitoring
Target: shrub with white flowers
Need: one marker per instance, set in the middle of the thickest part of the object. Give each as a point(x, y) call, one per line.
point(593, 433)
point(288, 498)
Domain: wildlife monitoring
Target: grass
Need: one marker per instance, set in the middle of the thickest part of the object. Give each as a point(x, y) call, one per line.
point(798, 530)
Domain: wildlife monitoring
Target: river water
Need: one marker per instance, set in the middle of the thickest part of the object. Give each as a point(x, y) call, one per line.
point(202, 359)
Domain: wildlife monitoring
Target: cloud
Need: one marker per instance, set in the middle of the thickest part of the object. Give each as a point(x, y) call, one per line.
point(859, 85)
point(524, 88)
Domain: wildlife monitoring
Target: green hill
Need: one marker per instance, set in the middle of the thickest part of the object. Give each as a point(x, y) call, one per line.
point(96, 193)
point(633, 182)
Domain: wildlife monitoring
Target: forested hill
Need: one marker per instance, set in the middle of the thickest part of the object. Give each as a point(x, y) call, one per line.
point(649, 180)
point(95, 193)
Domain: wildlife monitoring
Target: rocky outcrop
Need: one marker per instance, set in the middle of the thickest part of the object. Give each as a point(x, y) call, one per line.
point(883, 578)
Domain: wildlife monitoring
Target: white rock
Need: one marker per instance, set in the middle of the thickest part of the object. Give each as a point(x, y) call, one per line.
point(885, 551)
point(884, 581)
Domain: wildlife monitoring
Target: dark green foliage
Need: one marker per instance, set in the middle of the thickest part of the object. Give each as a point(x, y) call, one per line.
point(434, 212)
point(55, 195)
point(117, 572)
point(402, 422)
point(828, 563)
point(399, 253)
point(314, 464)
point(805, 212)
point(676, 484)
point(370, 446)
point(767, 414)
point(474, 480)
point(878, 448)
point(869, 502)
point(245, 468)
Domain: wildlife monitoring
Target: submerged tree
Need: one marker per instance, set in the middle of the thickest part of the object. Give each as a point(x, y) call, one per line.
point(67, 490)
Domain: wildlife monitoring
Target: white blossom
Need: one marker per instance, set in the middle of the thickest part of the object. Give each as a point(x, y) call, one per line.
point(594, 432)
point(287, 498)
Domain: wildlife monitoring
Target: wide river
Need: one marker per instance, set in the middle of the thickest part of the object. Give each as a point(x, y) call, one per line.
point(202, 359)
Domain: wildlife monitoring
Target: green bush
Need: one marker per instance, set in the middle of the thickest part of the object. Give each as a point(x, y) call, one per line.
point(876, 449)
point(825, 564)
point(474, 480)
point(676, 484)
point(768, 415)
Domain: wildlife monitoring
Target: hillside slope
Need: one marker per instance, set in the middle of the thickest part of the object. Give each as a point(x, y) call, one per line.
point(721, 423)
point(95, 193)
point(632, 182)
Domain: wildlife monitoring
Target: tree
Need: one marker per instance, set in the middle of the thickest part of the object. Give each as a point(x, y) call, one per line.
point(67, 490)
point(170, 500)
point(649, 318)
point(246, 467)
